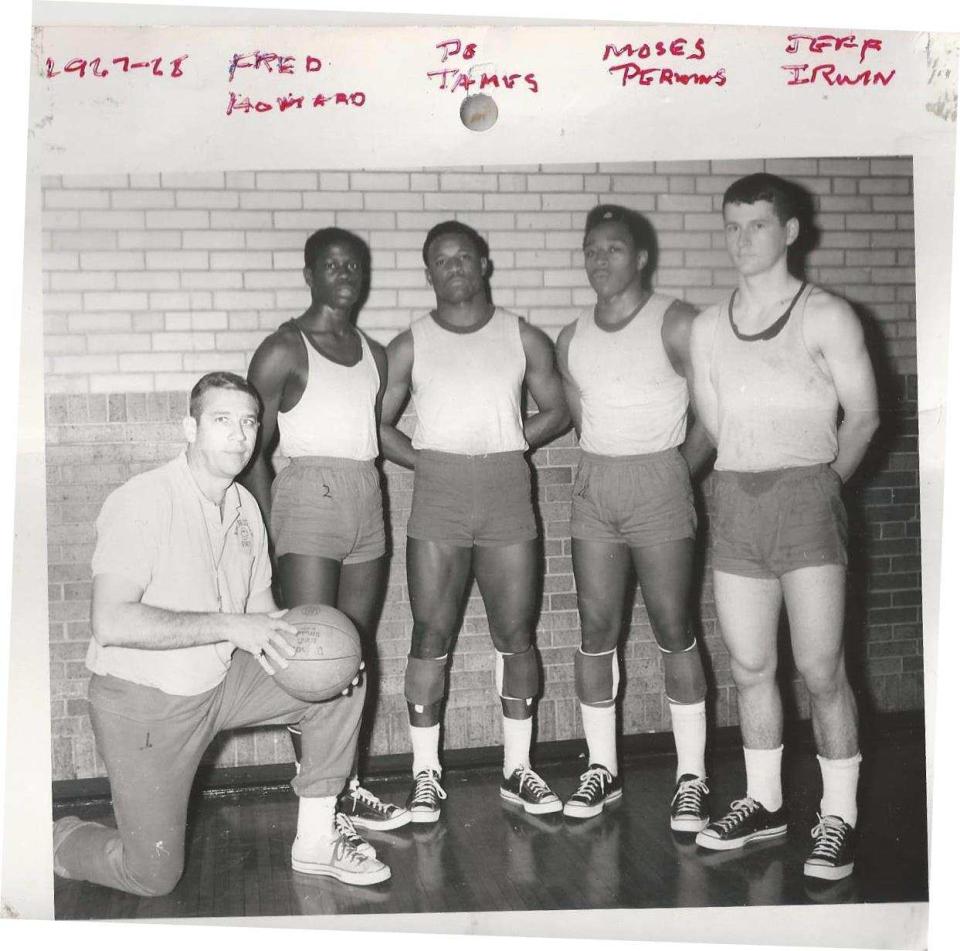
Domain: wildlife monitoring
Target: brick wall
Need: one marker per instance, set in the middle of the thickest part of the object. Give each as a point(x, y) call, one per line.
point(151, 280)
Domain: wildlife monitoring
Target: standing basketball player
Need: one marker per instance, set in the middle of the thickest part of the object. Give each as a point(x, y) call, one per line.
point(186, 636)
point(466, 364)
point(625, 364)
point(772, 367)
point(321, 381)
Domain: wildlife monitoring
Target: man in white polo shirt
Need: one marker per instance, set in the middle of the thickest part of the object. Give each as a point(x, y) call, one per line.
point(186, 636)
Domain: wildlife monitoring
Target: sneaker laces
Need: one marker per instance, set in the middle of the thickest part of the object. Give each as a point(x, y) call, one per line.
point(426, 788)
point(347, 830)
point(829, 833)
point(345, 852)
point(688, 796)
point(370, 800)
point(740, 809)
point(592, 782)
point(533, 782)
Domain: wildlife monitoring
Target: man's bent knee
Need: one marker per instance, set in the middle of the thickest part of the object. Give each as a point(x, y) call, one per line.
point(596, 677)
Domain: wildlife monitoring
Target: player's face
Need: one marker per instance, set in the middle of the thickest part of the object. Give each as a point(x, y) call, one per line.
point(336, 277)
point(455, 269)
point(611, 259)
point(756, 238)
point(223, 438)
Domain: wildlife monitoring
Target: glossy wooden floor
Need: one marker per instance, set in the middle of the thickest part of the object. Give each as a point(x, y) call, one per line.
point(486, 856)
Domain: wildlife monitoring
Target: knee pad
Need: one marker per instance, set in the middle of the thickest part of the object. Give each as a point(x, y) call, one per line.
point(423, 685)
point(518, 682)
point(596, 677)
point(683, 675)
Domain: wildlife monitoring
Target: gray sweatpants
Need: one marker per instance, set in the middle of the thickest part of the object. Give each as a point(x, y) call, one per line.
point(152, 743)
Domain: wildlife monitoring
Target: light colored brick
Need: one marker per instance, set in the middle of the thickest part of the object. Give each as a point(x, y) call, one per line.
point(239, 220)
point(69, 198)
point(239, 260)
point(63, 343)
point(555, 183)
point(379, 181)
point(639, 183)
point(305, 222)
point(192, 179)
point(142, 198)
point(424, 181)
point(142, 240)
point(83, 281)
point(467, 182)
point(871, 222)
point(93, 323)
point(272, 201)
point(111, 260)
point(277, 280)
point(114, 300)
point(60, 220)
point(562, 202)
point(213, 240)
point(178, 260)
point(150, 362)
point(94, 181)
point(217, 360)
point(544, 220)
point(207, 199)
point(182, 342)
point(240, 180)
point(453, 202)
point(118, 220)
point(149, 281)
point(277, 239)
point(237, 340)
point(117, 343)
point(333, 201)
point(211, 280)
point(179, 219)
point(99, 363)
point(242, 300)
point(61, 302)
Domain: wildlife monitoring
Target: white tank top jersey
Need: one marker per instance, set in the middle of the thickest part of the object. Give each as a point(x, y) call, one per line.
point(336, 414)
point(466, 386)
point(632, 400)
point(777, 408)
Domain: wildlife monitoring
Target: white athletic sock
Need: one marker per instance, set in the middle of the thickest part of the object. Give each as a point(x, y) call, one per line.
point(600, 731)
point(426, 747)
point(315, 820)
point(690, 735)
point(763, 777)
point(840, 777)
point(517, 735)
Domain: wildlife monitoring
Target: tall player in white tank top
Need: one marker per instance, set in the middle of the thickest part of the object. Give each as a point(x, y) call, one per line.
point(470, 428)
point(625, 364)
point(321, 359)
point(789, 356)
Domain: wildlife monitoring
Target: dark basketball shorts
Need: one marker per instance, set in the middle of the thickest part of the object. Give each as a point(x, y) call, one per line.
point(768, 523)
point(472, 500)
point(329, 508)
point(638, 500)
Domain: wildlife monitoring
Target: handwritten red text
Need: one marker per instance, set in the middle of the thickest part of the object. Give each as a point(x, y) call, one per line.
point(635, 67)
point(452, 78)
point(97, 66)
point(831, 74)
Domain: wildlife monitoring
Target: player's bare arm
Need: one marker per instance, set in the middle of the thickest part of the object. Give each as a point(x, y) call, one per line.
point(703, 394)
point(545, 386)
point(570, 389)
point(678, 322)
point(380, 358)
point(270, 369)
point(396, 446)
point(834, 335)
point(120, 619)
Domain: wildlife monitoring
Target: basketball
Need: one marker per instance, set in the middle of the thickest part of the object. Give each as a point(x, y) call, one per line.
point(328, 653)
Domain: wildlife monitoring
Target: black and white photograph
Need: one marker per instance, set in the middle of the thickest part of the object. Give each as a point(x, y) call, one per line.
point(534, 530)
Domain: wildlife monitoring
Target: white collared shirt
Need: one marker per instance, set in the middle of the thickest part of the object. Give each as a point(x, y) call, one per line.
point(160, 531)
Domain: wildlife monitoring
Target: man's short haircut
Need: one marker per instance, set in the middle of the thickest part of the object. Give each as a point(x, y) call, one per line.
point(320, 240)
point(762, 186)
point(220, 380)
point(454, 227)
point(601, 214)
